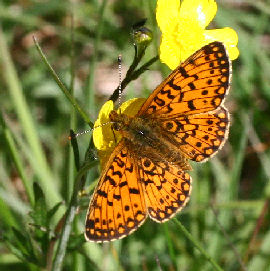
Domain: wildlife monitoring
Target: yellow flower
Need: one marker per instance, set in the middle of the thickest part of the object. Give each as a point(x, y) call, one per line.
point(183, 29)
point(105, 139)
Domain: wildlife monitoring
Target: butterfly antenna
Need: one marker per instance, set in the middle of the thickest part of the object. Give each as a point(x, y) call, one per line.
point(90, 130)
point(120, 79)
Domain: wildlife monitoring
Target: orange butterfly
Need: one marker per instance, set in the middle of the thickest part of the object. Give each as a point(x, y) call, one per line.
point(146, 173)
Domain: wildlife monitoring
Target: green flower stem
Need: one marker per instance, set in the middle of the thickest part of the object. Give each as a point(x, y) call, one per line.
point(197, 245)
point(143, 68)
point(62, 87)
point(17, 161)
point(70, 215)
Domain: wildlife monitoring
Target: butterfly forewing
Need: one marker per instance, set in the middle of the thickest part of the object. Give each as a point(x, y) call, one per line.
point(118, 205)
point(198, 85)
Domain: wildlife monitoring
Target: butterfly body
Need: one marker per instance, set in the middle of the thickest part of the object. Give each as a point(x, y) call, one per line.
point(146, 174)
point(146, 137)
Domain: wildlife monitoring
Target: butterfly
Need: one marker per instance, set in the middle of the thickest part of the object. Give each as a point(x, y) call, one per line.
point(146, 174)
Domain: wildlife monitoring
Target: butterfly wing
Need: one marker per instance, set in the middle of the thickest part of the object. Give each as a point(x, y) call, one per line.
point(198, 85)
point(117, 207)
point(167, 188)
point(188, 103)
point(198, 136)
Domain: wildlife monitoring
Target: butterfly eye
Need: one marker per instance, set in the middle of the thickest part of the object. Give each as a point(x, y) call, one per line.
point(113, 115)
point(117, 126)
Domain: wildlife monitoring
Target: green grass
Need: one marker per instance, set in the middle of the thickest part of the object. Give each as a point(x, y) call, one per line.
point(225, 226)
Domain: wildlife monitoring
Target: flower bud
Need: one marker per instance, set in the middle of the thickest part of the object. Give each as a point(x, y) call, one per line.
point(141, 34)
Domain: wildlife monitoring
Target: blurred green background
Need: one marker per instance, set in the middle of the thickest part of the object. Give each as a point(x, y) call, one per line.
point(228, 213)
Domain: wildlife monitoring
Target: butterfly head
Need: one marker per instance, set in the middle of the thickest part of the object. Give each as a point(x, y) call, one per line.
point(119, 121)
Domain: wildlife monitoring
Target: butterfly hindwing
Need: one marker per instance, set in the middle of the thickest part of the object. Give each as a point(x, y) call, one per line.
point(198, 136)
point(198, 85)
point(167, 188)
point(117, 207)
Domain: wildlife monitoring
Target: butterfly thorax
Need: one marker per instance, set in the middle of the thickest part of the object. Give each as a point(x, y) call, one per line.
point(120, 121)
point(145, 136)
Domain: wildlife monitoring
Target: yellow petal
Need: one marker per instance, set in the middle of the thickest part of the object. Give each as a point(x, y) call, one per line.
point(170, 53)
point(202, 11)
point(167, 13)
point(233, 52)
point(226, 35)
point(176, 48)
point(131, 107)
point(100, 138)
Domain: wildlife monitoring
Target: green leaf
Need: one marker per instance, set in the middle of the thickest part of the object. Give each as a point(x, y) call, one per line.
point(21, 241)
point(39, 213)
point(16, 251)
point(76, 242)
point(22, 246)
point(53, 210)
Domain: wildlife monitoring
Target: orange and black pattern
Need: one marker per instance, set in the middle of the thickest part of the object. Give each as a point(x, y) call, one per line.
point(198, 85)
point(166, 187)
point(183, 119)
point(199, 136)
point(118, 204)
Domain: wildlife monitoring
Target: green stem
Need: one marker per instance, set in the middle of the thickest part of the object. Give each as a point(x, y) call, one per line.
point(70, 215)
point(170, 245)
point(62, 86)
point(197, 245)
point(143, 68)
point(136, 60)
